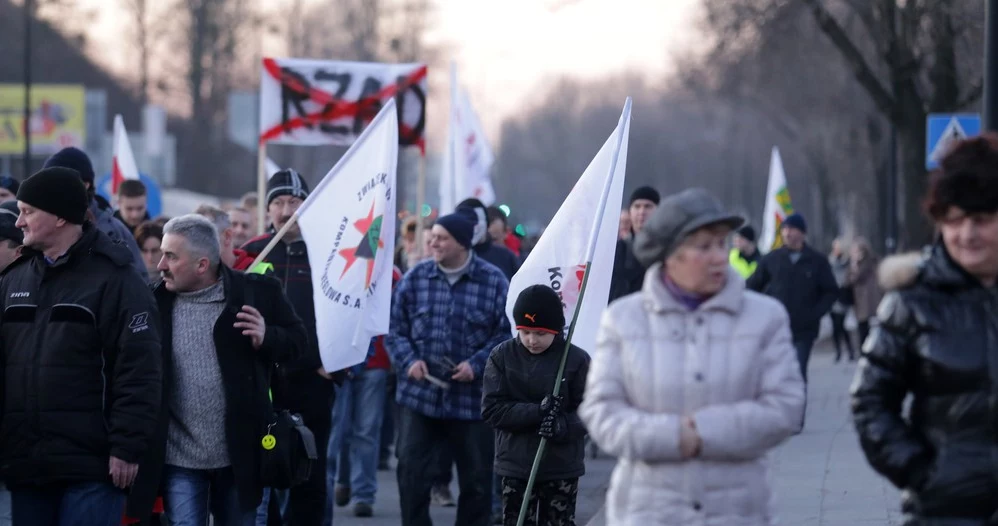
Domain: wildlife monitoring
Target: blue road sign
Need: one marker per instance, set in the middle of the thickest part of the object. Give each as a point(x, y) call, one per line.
point(942, 129)
point(153, 195)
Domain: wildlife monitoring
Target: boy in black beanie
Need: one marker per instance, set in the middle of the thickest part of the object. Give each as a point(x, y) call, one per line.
point(517, 402)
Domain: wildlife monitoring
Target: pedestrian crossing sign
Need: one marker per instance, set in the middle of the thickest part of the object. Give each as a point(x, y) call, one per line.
point(944, 129)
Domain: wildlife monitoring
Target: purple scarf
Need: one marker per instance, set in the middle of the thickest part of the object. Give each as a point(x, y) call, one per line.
point(688, 300)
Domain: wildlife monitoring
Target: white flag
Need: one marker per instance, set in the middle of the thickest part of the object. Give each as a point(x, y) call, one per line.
point(584, 229)
point(469, 158)
point(123, 163)
point(778, 205)
point(348, 224)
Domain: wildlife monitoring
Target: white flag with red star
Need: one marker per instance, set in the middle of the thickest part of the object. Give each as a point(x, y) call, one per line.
point(348, 224)
point(123, 163)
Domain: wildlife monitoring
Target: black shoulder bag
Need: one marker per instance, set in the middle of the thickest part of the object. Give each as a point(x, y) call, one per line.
point(287, 447)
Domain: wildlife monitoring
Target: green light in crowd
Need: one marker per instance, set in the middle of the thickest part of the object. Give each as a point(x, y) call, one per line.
point(427, 210)
point(504, 209)
point(521, 230)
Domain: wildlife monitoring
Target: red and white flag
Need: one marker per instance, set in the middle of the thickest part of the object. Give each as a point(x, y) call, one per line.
point(123, 163)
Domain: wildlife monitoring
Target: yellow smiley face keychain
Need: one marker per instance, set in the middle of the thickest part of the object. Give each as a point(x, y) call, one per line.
point(268, 442)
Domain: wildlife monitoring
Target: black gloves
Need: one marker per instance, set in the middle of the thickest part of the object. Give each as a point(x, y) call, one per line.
point(553, 427)
point(551, 405)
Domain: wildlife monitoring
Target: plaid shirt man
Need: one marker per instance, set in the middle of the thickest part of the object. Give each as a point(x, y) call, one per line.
point(443, 325)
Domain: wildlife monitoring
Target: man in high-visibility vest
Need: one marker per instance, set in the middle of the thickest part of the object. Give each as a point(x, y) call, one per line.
point(744, 257)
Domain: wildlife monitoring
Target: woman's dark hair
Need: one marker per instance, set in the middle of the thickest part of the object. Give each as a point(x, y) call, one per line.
point(967, 178)
point(148, 230)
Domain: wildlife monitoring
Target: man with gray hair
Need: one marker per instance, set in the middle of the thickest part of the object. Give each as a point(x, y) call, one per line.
point(221, 331)
point(223, 224)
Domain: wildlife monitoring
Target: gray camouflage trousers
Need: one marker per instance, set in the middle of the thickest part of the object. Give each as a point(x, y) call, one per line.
point(557, 502)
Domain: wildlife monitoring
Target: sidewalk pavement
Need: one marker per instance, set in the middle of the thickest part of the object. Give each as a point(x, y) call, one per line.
point(592, 488)
point(821, 477)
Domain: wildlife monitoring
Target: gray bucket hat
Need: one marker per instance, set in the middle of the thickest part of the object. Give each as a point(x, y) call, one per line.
point(676, 217)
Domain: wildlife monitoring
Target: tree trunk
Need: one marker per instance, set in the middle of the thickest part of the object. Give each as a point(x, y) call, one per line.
point(915, 229)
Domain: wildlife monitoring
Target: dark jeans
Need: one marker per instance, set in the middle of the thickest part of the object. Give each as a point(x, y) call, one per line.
point(803, 346)
point(557, 502)
point(390, 421)
point(84, 504)
point(420, 440)
point(189, 495)
point(840, 336)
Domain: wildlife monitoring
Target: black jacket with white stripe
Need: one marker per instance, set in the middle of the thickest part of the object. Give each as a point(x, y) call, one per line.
point(80, 364)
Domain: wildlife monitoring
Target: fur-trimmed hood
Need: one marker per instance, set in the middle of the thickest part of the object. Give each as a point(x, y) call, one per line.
point(900, 271)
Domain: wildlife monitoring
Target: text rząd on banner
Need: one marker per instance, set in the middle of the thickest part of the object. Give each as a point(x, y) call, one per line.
point(348, 224)
point(123, 162)
point(469, 159)
point(309, 102)
point(778, 205)
point(584, 229)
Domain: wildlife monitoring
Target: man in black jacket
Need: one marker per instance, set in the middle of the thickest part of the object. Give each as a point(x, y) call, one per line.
point(517, 402)
point(81, 363)
point(628, 273)
point(302, 386)
point(801, 278)
point(222, 330)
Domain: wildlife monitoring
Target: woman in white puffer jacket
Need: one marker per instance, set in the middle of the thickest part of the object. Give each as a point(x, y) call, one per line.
point(694, 379)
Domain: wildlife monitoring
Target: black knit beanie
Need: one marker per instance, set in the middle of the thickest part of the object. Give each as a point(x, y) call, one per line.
point(74, 159)
point(647, 193)
point(286, 182)
point(58, 191)
point(459, 226)
point(538, 307)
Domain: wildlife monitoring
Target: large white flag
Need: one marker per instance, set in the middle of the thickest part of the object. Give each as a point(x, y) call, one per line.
point(349, 226)
point(778, 205)
point(123, 162)
point(584, 229)
point(469, 158)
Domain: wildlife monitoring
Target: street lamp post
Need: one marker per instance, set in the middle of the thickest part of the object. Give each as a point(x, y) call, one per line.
point(27, 87)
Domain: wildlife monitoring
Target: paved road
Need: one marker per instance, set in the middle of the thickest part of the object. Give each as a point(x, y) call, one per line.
point(592, 487)
point(820, 476)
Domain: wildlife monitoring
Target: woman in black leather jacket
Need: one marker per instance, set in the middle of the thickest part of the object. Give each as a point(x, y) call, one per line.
point(937, 339)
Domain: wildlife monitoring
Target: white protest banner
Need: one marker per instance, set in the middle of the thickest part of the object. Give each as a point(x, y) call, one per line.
point(348, 224)
point(324, 102)
point(584, 229)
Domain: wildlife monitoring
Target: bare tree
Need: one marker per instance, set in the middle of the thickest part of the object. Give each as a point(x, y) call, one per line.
point(139, 10)
point(905, 58)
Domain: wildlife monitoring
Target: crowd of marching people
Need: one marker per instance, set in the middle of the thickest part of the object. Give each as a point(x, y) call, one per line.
point(167, 371)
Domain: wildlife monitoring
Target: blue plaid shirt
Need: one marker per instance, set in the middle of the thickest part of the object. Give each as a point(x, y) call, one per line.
point(435, 321)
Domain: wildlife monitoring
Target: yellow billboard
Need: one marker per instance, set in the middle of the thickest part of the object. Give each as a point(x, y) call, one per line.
point(58, 118)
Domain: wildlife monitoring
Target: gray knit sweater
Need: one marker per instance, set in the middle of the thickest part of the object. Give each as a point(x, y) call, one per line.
point(196, 437)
